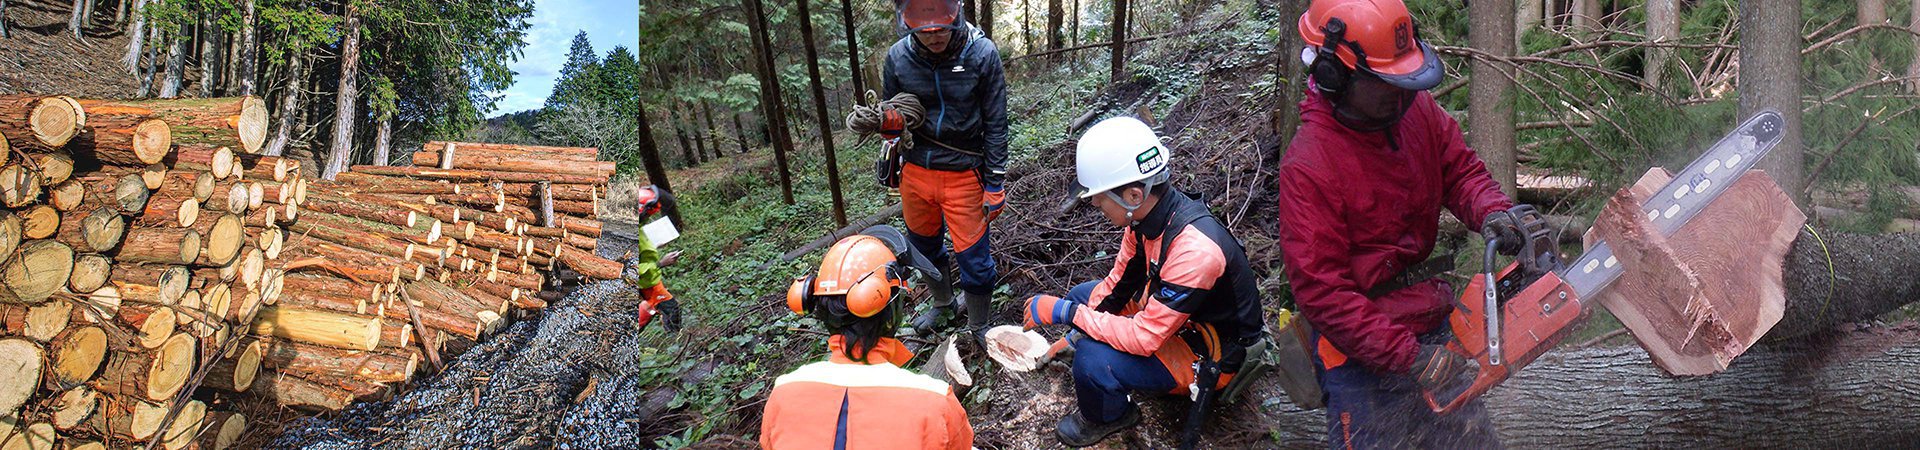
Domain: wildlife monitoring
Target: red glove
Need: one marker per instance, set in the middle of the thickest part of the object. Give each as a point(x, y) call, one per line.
point(892, 123)
point(646, 315)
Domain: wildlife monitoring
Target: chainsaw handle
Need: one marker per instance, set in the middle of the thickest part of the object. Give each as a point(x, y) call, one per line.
point(1484, 379)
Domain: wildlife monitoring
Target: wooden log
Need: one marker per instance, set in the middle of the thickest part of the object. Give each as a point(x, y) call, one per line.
point(75, 356)
point(348, 331)
point(185, 184)
point(232, 195)
point(33, 436)
point(122, 137)
point(272, 283)
point(321, 363)
point(348, 261)
point(151, 375)
point(224, 429)
point(40, 121)
point(126, 418)
point(184, 429)
point(237, 122)
point(236, 373)
point(360, 293)
point(36, 271)
point(96, 230)
point(528, 281)
point(258, 167)
point(19, 186)
point(256, 195)
point(55, 167)
point(71, 408)
point(90, 272)
point(534, 163)
point(20, 376)
point(299, 393)
point(251, 265)
point(169, 283)
point(590, 265)
point(581, 242)
point(270, 239)
point(38, 322)
point(577, 208)
point(581, 226)
point(162, 245)
point(67, 196)
point(150, 324)
point(128, 192)
point(223, 237)
point(97, 307)
point(463, 175)
point(494, 240)
point(333, 204)
point(561, 191)
point(379, 184)
point(429, 154)
point(443, 308)
point(214, 160)
point(396, 333)
point(357, 235)
point(303, 295)
point(169, 209)
point(39, 222)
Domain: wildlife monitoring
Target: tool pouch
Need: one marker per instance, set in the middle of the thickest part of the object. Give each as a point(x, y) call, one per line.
point(886, 169)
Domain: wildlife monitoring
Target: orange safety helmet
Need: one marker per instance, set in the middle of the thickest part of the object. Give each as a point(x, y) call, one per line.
point(1373, 36)
point(860, 270)
point(649, 200)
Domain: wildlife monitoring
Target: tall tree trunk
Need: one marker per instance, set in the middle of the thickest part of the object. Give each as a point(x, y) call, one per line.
point(986, 17)
point(1490, 113)
point(1769, 55)
point(1527, 14)
point(740, 133)
point(78, 23)
point(1871, 12)
point(1075, 40)
point(249, 47)
point(820, 114)
point(1119, 32)
point(1054, 14)
point(176, 66)
point(148, 62)
point(713, 133)
point(650, 159)
point(289, 104)
point(853, 49)
point(120, 13)
point(1663, 24)
point(3, 21)
point(349, 97)
point(383, 141)
point(674, 119)
point(1586, 16)
point(770, 97)
point(1285, 116)
point(209, 57)
point(136, 37)
point(1026, 26)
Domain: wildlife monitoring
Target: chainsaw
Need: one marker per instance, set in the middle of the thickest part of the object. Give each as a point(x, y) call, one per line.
point(1508, 318)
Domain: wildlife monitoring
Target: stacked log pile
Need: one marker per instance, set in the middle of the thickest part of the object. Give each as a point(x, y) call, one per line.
point(154, 263)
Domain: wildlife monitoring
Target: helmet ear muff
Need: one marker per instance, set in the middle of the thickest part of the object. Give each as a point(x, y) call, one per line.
point(1332, 76)
point(874, 292)
point(800, 296)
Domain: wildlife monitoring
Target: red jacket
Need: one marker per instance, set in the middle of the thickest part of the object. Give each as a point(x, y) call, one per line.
point(1356, 211)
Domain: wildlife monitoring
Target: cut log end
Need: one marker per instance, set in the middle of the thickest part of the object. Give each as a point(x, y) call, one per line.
point(55, 120)
point(152, 140)
point(252, 124)
point(20, 361)
point(36, 271)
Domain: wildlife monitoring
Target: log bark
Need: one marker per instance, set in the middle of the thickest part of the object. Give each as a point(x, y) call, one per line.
point(1769, 53)
point(429, 154)
point(55, 167)
point(36, 271)
point(590, 265)
point(126, 418)
point(476, 175)
point(264, 167)
point(19, 186)
point(122, 136)
point(98, 230)
point(127, 192)
point(90, 272)
point(362, 209)
point(39, 322)
point(377, 184)
point(349, 96)
point(1490, 114)
point(239, 123)
point(29, 121)
point(223, 428)
point(153, 375)
point(325, 363)
point(236, 374)
point(71, 408)
point(348, 331)
point(295, 392)
point(67, 196)
point(476, 159)
point(10, 235)
point(159, 245)
point(170, 208)
point(150, 324)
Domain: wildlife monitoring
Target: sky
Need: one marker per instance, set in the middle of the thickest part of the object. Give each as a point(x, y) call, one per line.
point(608, 23)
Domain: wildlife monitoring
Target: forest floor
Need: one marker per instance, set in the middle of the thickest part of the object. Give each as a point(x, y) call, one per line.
point(44, 57)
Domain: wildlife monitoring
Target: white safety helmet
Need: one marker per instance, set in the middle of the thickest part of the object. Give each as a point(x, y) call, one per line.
point(1116, 152)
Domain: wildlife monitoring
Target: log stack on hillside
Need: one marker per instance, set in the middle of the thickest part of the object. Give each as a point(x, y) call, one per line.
point(150, 257)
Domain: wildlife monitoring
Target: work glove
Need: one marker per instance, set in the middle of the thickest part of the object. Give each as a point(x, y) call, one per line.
point(996, 197)
point(670, 315)
point(1503, 227)
point(1043, 309)
point(647, 312)
point(892, 124)
point(1436, 366)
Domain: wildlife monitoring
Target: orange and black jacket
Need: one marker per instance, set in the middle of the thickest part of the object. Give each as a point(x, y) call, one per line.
point(1177, 268)
point(844, 404)
point(965, 93)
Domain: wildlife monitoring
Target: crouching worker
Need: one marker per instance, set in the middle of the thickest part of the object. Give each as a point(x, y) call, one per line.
point(860, 397)
point(1180, 305)
point(655, 301)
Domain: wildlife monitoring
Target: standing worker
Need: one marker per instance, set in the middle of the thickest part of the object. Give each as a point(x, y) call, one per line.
point(951, 182)
point(655, 300)
point(860, 397)
point(1178, 273)
point(1361, 188)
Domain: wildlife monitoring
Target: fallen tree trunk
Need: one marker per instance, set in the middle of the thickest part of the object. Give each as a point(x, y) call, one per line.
point(45, 121)
point(237, 122)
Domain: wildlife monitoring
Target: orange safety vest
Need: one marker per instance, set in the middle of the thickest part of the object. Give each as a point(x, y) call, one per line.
point(845, 404)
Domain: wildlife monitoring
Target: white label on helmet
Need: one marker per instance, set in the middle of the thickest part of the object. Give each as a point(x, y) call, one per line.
point(1150, 160)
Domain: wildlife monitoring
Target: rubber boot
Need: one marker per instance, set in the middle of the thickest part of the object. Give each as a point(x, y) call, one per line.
point(927, 323)
point(979, 314)
point(1076, 431)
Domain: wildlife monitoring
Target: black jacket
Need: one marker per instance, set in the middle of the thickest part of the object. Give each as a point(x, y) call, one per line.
point(965, 93)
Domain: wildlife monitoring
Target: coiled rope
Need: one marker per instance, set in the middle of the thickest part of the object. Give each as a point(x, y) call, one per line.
point(865, 119)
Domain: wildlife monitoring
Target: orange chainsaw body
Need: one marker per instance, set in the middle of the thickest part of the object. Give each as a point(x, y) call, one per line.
point(1532, 321)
